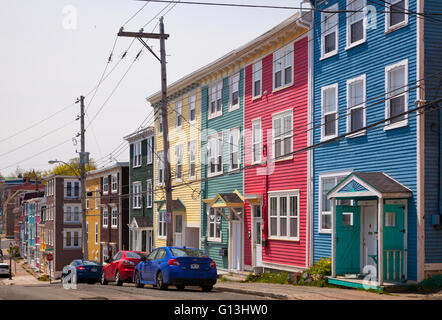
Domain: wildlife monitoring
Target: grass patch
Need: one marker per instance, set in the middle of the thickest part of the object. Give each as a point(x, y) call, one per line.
point(223, 279)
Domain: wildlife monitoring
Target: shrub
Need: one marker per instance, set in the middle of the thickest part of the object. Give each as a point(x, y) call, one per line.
point(270, 277)
point(321, 267)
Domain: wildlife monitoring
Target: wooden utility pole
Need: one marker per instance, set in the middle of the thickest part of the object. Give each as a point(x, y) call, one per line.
point(83, 161)
point(167, 173)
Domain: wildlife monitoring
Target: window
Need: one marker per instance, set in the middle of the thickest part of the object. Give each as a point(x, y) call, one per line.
point(216, 108)
point(390, 219)
point(161, 173)
point(105, 185)
point(179, 162)
point(257, 78)
point(71, 214)
point(114, 183)
point(72, 238)
point(149, 194)
point(356, 104)
point(397, 14)
point(214, 225)
point(96, 198)
point(149, 150)
point(105, 217)
point(282, 134)
point(284, 215)
point(396, 87)
point(329, 128)
point(96, 232)
point(256, 141)
point(160, 122)
point(192, 108)
point(215, 158)
point(178, 109)
point(234, 141)
point(136, 199)
point(72, 189)
point(114, 217)
point(355, 22)
point(234, 95)
point(329, 32)
point(161, 224)
point(192, 160)
point(347, 218)
point(87, 200)
point(283, 67)
point(137, 154)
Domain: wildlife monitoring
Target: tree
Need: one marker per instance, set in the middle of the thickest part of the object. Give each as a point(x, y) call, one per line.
point(72, 169)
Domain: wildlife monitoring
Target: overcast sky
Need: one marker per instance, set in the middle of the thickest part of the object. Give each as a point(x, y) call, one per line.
point(53, 51)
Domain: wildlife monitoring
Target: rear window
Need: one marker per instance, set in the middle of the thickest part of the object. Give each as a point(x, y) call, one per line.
point(135, 255)
point(181, 252)
point(90, 263)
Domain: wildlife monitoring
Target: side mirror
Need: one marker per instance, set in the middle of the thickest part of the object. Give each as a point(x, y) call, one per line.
point(109, 260)
point(143, 259)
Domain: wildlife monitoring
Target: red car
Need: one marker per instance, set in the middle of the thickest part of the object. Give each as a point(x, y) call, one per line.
point(121, 267)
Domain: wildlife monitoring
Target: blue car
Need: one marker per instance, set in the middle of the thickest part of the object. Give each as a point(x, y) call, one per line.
point(178, 266)
point(87, 270)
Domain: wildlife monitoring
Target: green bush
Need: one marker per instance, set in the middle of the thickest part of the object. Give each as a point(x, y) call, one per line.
point(270, 277)
point(322, 267)
point(15, 251)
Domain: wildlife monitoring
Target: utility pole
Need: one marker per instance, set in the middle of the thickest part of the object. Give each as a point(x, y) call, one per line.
point(167, 173)
point(83, 161)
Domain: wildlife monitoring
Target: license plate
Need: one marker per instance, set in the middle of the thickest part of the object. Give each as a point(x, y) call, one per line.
point(94, 270)
point(194, 266)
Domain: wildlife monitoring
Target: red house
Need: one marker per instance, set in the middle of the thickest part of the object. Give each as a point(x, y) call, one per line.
point(276, 175)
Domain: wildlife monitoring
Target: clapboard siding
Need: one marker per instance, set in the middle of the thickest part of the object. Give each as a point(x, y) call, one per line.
point(288, 174)
point(391, 151)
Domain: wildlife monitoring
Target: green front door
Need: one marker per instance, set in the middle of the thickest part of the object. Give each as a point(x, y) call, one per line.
point(348, 239)
point(393, 237)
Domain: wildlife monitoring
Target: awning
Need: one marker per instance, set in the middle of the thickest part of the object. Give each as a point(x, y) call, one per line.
point(369, 184)
point(177, 205)
point(254, 198)
point(231, 201)
point(141, 222)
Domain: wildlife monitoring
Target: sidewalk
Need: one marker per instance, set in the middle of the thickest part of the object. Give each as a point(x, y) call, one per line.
point(20, 276)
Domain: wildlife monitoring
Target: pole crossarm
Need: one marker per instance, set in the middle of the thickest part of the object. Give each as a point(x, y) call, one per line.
point(143, 35)
point(148, 48)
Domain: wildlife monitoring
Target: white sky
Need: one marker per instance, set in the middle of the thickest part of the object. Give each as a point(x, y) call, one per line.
point(44, 67)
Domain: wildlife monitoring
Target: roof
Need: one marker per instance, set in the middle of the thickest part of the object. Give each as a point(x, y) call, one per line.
point(143, 222)
point(116, 165)
point(139, 134)
point(381, 182)
point(231, 197)
point(177, 205)
point(226, 200)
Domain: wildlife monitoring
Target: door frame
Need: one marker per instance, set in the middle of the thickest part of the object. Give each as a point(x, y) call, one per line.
point(182, 228)
point(364, 204)
point(241, 247)
point(253, 244)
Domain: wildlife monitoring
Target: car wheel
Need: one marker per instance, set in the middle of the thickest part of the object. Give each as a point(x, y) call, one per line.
point(160, 281)
point(138, 283)
point(103, 279)
point(180, 287)
point(117, 279)
point(207, 288)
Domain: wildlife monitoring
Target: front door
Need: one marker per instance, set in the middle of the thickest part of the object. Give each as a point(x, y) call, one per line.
point(369, 236)
point(257, 222)
point(347, 240)
point(393, 236)
point(236, 245)
point(178, 230)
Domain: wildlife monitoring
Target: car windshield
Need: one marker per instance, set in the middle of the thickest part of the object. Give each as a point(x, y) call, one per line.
point(90, 263)
point(136, 255)
point(185, 252)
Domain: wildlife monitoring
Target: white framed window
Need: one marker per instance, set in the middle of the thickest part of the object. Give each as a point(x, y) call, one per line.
point(356, 24)
point(284, 215)
point(234, 92)
point(256, 141)
point(96, 198)
point(192, 160)
point(329, 106)
point(160, 122)
point(96, 232)
point(149, 194)
point(213, 224)
point(282, 133)
point(234, 149)
point(137, 154)
point(87, 200)
point(71, 214)
point(72, 238)
point(87, 231)
point(283, 67)
point(192, 108)
point(396, 87)
point(105, 213)
point(179, 118)
point(162, 232)
point(396, 16)
point(179, 162)
point(161, 173)
point(356, 119)
point(327, 182)
point(216, 107)
point(136, 198)
point(114, 182)
point(105, 185)
point(215, 151)
point(114, 217)
point(329, 32)
point(72, 189)
point(149, 150)
point(257, 79)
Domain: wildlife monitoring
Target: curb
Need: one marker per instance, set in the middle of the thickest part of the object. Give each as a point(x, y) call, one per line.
point(255, 293)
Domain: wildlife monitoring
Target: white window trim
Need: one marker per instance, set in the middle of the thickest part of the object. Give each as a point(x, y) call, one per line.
point(149, 144)
point(137, 195)
point(288, 194)
point(364, 24)
point(403, 123)
point(65, 231)
point(255, 121)
point(137, 151)
point(106, 190)
point(73, 182)
point(72, 211)
point(87, 199)
point(289, 46)
point(105, 213)
point(216, 137)
point(233, 107)
point(96, 198)
point(363, 106)
point(216, 113)
point(116, 183)
point(320, 213)
point(325, 33)
point(160, 236)
point(400, 25)
point(192, 143)
point(160, 156)
point(179, 149)
point(178, 106)
point(192, 96)
point(235, 144)
point(281, 115)
point(209, 238)
point(96, 233)
point(323, 114)
point(114, 226)
point(149, 194)
point(255, 78)
point(160, 120)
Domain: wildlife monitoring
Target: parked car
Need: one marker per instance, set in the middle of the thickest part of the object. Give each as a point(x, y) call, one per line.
point(179, 266)
point(87, 270)
point(4, 268)
point(121, 267)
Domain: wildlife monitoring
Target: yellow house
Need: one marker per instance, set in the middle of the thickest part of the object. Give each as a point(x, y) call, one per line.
point(184, 124)
point(93, 216)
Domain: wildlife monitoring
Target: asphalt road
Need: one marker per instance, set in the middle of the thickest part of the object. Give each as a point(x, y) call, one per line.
point(56, 291)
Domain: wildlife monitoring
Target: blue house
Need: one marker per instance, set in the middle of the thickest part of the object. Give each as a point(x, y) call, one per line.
point(372, 212)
